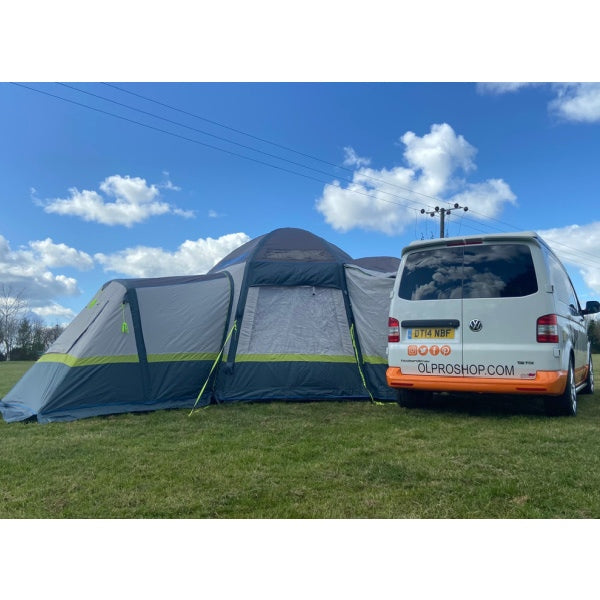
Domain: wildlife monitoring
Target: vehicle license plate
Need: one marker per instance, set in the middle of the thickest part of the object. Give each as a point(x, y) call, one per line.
point(431, 333)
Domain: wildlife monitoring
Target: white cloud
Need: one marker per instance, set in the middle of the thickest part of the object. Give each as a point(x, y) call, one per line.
point(167, 184)
point(134, 201)
point(386, 200)
point(29, 269)
point(61, 255)
point(351, 159)
point(489, 197)
point(579, 246)
point(186, 214)
point(191, 258)
point(577, 102)
point(437, 155)
point(496, 87)
point(54, 313)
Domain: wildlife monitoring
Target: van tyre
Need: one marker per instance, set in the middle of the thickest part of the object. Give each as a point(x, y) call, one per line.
point(589, 381)
point(566, 403)
point(413, 398)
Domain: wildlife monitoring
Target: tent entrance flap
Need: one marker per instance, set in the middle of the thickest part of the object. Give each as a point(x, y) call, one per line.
point(294, 342)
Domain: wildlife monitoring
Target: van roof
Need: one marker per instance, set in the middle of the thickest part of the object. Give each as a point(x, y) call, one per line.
point(457, 240)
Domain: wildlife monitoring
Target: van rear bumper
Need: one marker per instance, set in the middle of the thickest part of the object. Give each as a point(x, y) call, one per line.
point(550, 383)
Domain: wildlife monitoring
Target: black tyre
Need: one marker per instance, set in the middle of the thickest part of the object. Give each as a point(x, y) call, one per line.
point(413, 398)
point(589, 382)
point(566, 403)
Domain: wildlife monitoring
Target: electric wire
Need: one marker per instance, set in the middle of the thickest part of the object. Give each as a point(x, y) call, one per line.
point(568, 252)
point(211, 146)
point(270, 155)
point(263, 140)
point(289, 149)
point(406, 204)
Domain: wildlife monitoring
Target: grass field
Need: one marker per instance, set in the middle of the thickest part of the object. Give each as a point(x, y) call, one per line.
point(489, 458)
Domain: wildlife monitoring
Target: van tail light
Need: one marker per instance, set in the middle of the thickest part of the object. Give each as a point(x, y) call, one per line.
point(547, 329)
point(393, 330)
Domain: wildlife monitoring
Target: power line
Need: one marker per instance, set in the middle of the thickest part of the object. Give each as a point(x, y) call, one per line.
point(246, 147)
point(230, 152)
point(270, 155)
point(310, 156)
point(289, 149)
point(211, 146)
point(573, 251)
point(260, 139)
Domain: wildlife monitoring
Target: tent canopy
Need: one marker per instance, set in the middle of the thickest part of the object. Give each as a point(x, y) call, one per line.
point(286, 316)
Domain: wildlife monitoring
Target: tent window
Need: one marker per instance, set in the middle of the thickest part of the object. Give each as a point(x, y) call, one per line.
point(295, 320)
point(293, 254)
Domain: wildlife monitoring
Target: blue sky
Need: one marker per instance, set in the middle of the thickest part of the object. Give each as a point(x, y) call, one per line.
point(145, 179)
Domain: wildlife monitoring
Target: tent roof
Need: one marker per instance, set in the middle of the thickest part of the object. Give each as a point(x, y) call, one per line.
point(287, 244)
point(384, 264)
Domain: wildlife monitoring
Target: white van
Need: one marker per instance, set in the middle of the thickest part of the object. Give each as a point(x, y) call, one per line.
point(489, 314)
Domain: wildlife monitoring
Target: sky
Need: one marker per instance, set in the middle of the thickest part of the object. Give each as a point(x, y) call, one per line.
point(130, 179)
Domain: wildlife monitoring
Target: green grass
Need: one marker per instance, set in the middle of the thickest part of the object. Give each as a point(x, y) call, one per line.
point(489, 458)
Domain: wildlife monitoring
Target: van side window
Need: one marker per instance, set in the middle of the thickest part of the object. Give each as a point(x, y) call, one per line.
point(563, 286)
point(478, 271)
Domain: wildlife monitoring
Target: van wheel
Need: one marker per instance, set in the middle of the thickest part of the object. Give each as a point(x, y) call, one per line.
point(566, 403)
point(413, 398)
point(589, 382)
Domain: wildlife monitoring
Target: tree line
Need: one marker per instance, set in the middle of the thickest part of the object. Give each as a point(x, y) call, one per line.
point(594, 335)
point(22, 337)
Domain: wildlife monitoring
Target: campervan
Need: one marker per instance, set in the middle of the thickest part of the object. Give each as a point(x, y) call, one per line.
point(488, 314)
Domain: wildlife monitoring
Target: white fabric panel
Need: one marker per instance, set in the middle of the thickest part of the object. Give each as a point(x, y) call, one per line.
point(105, 337)
point(96, 331)
point(370, 299)
point(188, 317)
point(295, 320)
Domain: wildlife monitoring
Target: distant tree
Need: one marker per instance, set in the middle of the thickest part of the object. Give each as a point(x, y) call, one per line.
point(12, 308)
point(33, 338)
point(50, 335)
point(594, 335)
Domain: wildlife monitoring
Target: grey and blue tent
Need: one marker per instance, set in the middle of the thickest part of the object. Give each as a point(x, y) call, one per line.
point(286, 316)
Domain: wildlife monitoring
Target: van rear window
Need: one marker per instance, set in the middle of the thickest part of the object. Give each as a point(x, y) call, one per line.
point(481, 271)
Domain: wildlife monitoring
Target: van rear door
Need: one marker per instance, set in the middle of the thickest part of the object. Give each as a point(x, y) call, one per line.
point(501, 302)
point(431, 332)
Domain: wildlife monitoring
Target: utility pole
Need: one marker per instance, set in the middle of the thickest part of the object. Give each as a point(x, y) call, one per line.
point(443, 212)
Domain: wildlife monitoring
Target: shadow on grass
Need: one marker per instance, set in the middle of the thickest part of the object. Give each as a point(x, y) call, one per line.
point(492, 405)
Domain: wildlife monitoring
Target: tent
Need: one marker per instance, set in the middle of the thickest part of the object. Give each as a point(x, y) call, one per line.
point(286, 316)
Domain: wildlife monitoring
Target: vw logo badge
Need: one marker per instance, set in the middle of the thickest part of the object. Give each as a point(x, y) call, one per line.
point(475, 325)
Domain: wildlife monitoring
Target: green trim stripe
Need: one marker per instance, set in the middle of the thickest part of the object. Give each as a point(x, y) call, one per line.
point(294, 358)
point(182, 357)
point(375, 360)
point(88, 361)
